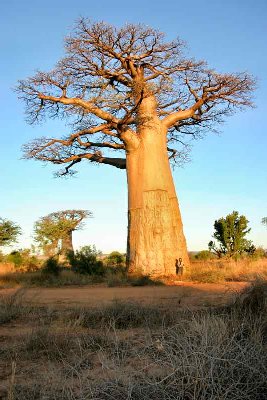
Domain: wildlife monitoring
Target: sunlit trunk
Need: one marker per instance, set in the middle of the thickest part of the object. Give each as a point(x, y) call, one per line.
point(67, 245)
point(156, 243)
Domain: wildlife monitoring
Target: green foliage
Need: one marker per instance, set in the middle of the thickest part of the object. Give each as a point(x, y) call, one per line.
point(56, 227)
point(9, 232)
point(115, 259)
point(264, 221)
point(85, 261)
point(230, 233)
point(15, 258)
point(51, 267)
point(258, 253)
point(204, 255)
point(23, 259)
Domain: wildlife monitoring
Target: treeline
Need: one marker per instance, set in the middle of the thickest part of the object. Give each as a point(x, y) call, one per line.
point(53, 241)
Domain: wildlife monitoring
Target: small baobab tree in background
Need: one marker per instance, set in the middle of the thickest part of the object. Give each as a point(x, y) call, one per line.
point(9, 232)
point(54, 231)
point(129, 91)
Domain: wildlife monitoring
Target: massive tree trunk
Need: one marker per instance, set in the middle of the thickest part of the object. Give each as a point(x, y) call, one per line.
point(156, 243)
point(66, 244)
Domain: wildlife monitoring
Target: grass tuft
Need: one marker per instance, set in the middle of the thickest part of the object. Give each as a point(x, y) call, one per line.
point(11, 306)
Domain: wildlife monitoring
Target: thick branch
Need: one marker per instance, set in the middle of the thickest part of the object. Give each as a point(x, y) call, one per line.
point(86, 105)
point(93, 157)
point(173, 118)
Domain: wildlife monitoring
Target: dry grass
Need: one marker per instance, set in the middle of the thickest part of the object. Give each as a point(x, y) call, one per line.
point(32, 279)
point(217, 271)
point(11, 306)
point(133, 351)
point(71, 278)
point(124, 315)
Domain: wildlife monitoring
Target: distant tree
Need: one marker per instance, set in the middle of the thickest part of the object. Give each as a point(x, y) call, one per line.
point(128, 90)
point(204, 255)
point(264, 221)
point(54, 231)
point(230, 234)
point(9, 232)
point(115, 259)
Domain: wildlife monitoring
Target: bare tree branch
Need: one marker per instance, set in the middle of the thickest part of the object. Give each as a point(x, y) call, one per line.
point(107, 79)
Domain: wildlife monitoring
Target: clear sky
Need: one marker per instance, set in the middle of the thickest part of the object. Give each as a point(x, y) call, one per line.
point(227, 172)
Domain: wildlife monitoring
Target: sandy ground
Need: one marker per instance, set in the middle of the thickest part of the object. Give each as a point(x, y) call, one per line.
point(186, 294)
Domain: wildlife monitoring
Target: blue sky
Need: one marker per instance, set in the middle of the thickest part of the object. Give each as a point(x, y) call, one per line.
point(227, 172)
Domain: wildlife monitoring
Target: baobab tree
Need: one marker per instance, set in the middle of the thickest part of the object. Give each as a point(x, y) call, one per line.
point(54, 231)
point(9, 232)
point(130, 91)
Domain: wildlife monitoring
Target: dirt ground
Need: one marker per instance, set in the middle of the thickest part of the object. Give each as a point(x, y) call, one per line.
point(61, 347)
point(185, 294)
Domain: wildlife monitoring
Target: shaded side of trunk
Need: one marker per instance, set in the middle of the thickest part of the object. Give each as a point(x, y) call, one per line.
point(156, 243)
point(51, 249)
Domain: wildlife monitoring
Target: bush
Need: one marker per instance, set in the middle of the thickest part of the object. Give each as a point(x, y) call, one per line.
point(51, 267)
point(85, 261)
point(115, 259)
point(22, 259)
point(258, 254)
point(15, 258)
point(204, 255)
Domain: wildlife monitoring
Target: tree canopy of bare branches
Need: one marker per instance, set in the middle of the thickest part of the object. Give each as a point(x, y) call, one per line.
point(102, 82)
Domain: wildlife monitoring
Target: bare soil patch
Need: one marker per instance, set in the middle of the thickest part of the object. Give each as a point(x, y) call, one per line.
point(184, 294)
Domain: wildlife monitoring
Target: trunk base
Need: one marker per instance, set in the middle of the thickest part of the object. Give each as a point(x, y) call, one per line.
point(156, 244)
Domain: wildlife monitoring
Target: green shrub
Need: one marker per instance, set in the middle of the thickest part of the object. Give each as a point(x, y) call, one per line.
point(85, 261)
point(258, 254)
point(15, 257)
point(115, 259)
point(23, 259)
point(51, 267)
point(204, 255)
